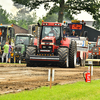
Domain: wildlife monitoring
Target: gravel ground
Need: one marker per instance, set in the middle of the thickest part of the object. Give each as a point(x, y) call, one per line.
point(18, 77)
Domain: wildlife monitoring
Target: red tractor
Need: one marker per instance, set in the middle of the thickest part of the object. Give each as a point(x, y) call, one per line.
point(96, 49)
point(90, 45)
point(51, 48)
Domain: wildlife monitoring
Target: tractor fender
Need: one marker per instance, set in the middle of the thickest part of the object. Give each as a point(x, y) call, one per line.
point(35, 41)
point(66, 42)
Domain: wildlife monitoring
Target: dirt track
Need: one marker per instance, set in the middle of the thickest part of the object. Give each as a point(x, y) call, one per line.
point(15, 79)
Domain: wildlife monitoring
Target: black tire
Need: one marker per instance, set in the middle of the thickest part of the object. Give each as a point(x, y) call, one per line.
point(30, 64)
point(72, 54)
point(30, 51)
point(63, 56)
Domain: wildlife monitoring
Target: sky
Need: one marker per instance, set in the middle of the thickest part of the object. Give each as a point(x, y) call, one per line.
point(8, 6)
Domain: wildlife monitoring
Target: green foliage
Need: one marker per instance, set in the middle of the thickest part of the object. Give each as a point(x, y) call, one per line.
point(96, 24)
point(23, 19)
point(51, 18)
point(3, 16)
point(40, 21)
point(76, 91)
point(69, 6)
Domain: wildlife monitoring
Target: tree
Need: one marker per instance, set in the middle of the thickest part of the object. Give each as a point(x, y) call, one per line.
point(3, 16)
point(23, 19)
point(96, 24)
point(53, 17)
point(50, 18)
point(70, 6)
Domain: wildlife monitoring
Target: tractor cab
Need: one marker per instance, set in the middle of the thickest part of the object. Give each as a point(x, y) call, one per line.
point(50, 37)
point(7, 34)
point(22, 41)
point(52, 30)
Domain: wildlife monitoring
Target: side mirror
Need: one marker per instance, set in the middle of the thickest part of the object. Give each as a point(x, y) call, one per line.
point(85, 33)
point(38, 24)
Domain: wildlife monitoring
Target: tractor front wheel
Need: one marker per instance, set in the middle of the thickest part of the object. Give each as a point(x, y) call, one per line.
point(30, 51)
point(72, 54)
point(63, 56)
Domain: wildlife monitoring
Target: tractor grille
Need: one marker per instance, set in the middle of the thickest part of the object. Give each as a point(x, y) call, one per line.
point(45, 47)
point(17, 48)
point(95, 49)
point(46, 40)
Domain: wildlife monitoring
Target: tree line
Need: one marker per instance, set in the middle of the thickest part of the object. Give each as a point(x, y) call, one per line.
point(66, 6)
point(23, 18)
point(61, 10)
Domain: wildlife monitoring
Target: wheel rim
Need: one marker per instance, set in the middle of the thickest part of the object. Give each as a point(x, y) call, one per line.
point(67, 61)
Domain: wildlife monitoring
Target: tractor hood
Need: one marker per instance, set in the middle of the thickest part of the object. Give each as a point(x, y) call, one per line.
point(49, 39)
point(20, 48)
point(48, 43)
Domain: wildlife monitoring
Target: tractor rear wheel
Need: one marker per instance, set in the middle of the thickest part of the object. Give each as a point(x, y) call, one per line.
point(63, 56)
point(72, 54)
point(30, 51)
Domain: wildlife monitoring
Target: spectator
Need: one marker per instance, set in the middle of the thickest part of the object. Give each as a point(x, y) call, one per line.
point(5, 53)
point(73, 33)
point(9, 53)
point(64, 33)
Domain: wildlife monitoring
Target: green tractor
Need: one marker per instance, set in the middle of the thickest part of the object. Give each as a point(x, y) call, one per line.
point(22, 41)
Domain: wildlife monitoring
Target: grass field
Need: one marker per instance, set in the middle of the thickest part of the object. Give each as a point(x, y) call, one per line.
point(76, 91)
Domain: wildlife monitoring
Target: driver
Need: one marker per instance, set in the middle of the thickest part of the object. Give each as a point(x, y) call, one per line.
point(52, 31)
point(21, 40)
point(73, 33)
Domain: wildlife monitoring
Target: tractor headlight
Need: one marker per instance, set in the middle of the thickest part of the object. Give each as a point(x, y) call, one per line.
point(44, 47)
point(15, 52)
point(49, 47)
point(51, 43)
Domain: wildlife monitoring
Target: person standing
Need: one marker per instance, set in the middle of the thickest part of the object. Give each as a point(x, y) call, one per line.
point(9, 53)
point(5, 53)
